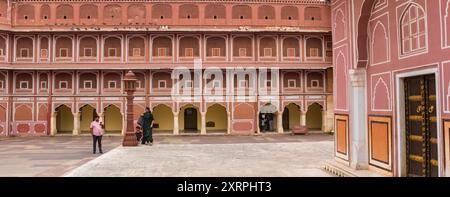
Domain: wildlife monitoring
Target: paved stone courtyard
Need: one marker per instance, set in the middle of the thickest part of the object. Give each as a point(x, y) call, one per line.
point(267, 155)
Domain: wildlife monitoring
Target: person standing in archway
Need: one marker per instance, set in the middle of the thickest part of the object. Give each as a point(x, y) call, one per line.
point(147, 127)
point(97, 133)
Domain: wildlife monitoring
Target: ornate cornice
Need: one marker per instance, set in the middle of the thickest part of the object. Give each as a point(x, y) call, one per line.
point(315, 2)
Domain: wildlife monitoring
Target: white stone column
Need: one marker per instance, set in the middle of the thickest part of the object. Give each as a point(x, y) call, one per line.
point(280, 122)
point(302, 118)
point(53, 129)
point(203, 123)
point(176, 129)
point(280, 128)
point(358, 116)
point(228, 123)
point(330, 114)
point(324, 121)
point(124, 124)
point(76, 123)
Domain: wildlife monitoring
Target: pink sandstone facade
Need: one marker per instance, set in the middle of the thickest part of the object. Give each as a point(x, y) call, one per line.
point(392, 85)
point(62, 62)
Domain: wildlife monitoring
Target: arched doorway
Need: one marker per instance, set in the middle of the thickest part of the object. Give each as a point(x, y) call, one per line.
point(216, 119)
point(87, 115)
point(291, 117)
point(64, 120)
point(163, 116)
point(190, 119)
point(268, 118)
point(113, 120)
point(314, 117)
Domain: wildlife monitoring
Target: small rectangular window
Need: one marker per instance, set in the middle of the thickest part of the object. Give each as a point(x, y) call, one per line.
point(243, 84)
point(162, 84)
point(162, 52)
point(24, 52)
point(292, 83)
point(44, 85)
point(44, 53)
point(314, 83)
point(215, 52)
point(63, 85)
point(63, 52)
point(136, 52)
point(189, 52)
point(88, 52)
point(112, 84)
point(23, 85)
point(313, 52)
point(87, 84)
point(290, 52)
point(267, 52)
point(112, 52)
point(242, 52)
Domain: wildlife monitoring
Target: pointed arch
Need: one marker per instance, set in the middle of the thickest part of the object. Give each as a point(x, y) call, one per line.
point(381, 99)
point(64, 119)
point(341, 82)
point(314, 116)
point(113, 119)
point(363, 23)
point(163, 115)
point(379, 50)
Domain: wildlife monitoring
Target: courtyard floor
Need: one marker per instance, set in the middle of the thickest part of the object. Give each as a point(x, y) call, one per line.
point(225, 156)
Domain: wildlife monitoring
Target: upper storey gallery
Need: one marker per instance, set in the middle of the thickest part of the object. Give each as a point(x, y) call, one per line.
point(172, 14)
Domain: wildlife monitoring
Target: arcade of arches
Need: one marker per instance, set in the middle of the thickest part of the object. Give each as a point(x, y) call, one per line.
point(64, 121)
point(315, 118)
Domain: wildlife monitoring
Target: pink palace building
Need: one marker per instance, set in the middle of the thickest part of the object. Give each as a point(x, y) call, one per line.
point(392, 86)
point(62, 62)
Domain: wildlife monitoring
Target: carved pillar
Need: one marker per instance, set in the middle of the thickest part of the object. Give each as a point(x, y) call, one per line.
point(176, 129)
point(53, 129)
point(203, 123)
point(280, 128)
point(358, 123)
point(124, 126)
point(302, 118)
point(228, 122)
point(76, 124)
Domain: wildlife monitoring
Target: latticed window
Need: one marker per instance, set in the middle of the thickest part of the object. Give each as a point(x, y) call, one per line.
point(88, 52)
point(215, 52)
point(314, 52)
point(112, 52)
point(136, 52)
point(24, 52)
point(162, 52)
point(413, 29)
point(291, 52)
point(64, 52)
point(189, 52)
point(267, 52)
point(44, 53)
point(242, 52)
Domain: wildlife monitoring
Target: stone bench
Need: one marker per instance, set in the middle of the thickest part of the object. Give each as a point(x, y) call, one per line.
point(300, 130)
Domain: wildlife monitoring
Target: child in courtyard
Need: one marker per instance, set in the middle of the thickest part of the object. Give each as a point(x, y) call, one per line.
point(138, 133)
